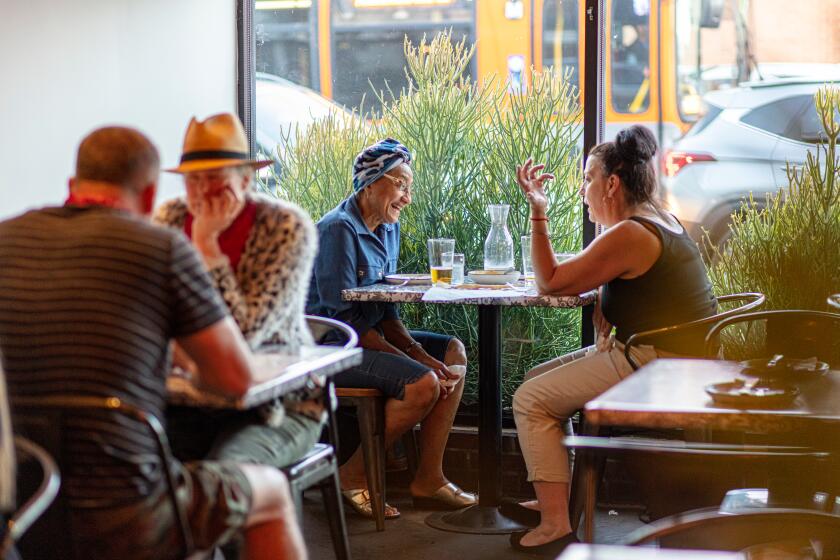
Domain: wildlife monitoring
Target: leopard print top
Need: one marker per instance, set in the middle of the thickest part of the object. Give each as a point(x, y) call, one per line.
point(266, 294)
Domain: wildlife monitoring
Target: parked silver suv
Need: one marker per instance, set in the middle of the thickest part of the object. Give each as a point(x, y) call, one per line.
point(740, 146)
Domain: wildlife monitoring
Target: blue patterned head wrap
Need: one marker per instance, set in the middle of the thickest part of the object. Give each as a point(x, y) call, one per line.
point(375, 161)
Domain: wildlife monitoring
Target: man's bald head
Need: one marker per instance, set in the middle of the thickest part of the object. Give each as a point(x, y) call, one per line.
point(119, 156)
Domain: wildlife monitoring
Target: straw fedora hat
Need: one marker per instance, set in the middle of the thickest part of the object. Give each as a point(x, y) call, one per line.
point(219, 141)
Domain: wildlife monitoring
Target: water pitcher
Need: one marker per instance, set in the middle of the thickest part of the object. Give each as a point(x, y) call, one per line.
point(498, 247)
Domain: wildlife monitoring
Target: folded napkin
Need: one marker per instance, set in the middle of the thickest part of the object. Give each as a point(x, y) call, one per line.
point(436, 293)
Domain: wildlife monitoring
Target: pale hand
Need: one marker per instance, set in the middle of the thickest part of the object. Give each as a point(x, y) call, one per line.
point(438, 367)
point(212, 216)
point(602, 328)
point(532, 183)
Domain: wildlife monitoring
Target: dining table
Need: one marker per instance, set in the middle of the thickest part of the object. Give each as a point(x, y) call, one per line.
point(282, 371)
point(483, 518)
point(672, 394)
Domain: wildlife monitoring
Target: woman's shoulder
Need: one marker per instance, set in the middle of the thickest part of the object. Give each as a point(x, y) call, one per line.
point(172, 212)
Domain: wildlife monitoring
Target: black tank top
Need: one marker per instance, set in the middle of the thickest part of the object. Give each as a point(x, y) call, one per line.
point(676, 289)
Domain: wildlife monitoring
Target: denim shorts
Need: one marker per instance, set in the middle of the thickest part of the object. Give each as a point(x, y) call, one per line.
point(391, 373)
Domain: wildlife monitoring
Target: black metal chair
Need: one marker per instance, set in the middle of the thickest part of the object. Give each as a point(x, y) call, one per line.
point(698, 328)
point(320, 465)
point(43, 420)
point(38, 502)
point(792, 333)
point(752, 301)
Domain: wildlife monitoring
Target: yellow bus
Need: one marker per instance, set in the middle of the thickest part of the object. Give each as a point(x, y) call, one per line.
point(347, 48)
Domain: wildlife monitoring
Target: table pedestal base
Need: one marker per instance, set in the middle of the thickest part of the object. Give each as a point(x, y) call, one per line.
point(476, 520)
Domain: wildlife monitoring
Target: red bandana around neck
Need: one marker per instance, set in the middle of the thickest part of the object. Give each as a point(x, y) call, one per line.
point(232, 240)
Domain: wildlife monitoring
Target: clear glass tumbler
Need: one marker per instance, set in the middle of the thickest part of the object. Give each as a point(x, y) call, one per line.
point(440, 260)
point(457, 269)
point(527, 266)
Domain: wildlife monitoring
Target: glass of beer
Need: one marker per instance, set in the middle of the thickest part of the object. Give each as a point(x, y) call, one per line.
point(440, 260)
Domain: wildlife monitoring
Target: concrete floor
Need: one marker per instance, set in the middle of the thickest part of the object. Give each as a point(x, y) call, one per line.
point(409, 538)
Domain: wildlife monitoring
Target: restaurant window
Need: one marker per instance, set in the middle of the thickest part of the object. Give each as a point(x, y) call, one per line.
point(630, 56)
point(561, 37)
point(368, 38)
point(285, 40)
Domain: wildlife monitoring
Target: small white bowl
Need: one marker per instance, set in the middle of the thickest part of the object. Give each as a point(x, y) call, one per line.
point(493, 277)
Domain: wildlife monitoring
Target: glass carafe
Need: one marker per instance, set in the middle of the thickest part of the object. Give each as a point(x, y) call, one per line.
point(498, 247)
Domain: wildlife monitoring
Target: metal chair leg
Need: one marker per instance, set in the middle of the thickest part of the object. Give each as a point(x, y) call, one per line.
point(331, 492)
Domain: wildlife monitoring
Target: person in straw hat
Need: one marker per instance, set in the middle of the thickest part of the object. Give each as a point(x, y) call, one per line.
point(259, 253)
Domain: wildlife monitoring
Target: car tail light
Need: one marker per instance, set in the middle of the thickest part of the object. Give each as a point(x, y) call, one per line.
point(675, 160)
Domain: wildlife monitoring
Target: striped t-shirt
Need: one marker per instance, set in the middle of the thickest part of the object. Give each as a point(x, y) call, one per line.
point(89, 299)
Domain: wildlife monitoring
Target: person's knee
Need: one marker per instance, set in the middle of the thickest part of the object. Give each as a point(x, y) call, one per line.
point(456, 353)
point(271, 496)
point(525, 399)
point(423, 392)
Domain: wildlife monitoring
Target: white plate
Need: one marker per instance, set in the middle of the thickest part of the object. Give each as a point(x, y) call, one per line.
point(493, 277)
point(409, 279)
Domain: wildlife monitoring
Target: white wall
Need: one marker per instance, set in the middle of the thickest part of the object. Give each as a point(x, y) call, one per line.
point(67, 67)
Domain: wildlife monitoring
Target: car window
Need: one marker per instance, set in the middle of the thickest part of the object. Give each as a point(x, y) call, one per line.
point(776, 117)
point(712, 112)
point(807, 126)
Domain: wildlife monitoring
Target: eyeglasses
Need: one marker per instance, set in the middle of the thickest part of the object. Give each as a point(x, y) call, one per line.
point(400, 183)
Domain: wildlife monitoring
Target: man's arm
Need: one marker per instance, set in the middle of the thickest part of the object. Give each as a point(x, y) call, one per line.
point(222, 357)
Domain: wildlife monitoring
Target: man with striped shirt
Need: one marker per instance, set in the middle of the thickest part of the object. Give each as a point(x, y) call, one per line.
point(91, 294)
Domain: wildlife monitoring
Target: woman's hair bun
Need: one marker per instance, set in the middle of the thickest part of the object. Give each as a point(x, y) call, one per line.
point(635, 144)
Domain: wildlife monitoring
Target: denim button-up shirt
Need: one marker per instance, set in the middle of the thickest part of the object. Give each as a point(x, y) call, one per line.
point(349, 256)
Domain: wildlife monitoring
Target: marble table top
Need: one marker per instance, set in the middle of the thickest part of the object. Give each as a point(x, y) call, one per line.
point(287, 371)
point(671, 394)
point(414, 294)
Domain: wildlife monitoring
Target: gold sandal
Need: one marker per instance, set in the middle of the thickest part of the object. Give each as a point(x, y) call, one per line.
point(359, 500)
point(447, 497)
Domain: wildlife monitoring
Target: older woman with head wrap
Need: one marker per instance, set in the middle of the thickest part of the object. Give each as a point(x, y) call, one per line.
point(359, 246)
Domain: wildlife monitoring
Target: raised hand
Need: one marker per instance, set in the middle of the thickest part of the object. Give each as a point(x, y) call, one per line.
point(212, 215)
point(532, 183)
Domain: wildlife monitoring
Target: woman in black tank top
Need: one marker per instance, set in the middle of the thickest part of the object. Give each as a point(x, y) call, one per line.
point(649, 274)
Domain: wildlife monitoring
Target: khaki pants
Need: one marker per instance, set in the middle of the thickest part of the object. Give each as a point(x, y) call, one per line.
point(553, 391)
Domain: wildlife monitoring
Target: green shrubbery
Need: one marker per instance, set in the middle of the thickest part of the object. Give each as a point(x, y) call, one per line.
point(467, 139)
point(790, 249)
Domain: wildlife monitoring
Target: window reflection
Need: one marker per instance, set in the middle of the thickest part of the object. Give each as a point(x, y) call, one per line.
point(561, 37)
point(630, 61)
point(285, 41)
point(368, 42)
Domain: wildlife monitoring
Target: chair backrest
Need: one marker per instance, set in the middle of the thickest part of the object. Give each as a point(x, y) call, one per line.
point(43, 419)
point(793, 333)
point(35, 506)
point(330, 330)
point(834, 301)
point(750, 301)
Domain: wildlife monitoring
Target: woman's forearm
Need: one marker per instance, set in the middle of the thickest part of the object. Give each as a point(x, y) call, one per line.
point(373, 340)
point(542, 253)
